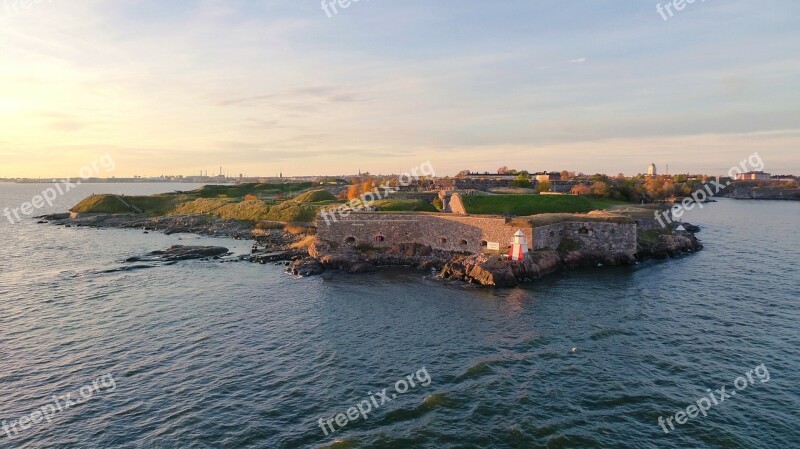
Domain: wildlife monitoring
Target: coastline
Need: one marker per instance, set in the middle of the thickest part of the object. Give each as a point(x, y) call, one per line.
point(304, 255)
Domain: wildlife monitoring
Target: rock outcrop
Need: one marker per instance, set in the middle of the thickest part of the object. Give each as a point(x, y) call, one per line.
point(170, 224)
point(177, 253)
point(496, 270)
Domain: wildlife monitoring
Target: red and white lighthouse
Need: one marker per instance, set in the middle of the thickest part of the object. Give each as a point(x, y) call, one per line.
point(519, 248)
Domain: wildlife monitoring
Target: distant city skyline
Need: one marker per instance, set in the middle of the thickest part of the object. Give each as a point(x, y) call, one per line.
point(260, 87)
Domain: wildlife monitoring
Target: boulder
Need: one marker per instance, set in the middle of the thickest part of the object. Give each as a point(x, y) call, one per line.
point(306, 267)
point(180, 252)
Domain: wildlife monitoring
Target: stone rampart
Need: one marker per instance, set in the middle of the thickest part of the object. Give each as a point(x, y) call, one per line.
point(589, 236)
point(471, 234)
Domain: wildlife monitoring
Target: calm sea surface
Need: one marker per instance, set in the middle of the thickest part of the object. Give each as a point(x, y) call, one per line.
point(240, 355)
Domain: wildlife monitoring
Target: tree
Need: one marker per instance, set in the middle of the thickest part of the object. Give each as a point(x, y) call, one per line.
point(600, 188)
point(522, 180)
point(581, 189)
point(354, 191)
point(544, 186)
point(502, 170)
point(368, 186)
point(564, 175)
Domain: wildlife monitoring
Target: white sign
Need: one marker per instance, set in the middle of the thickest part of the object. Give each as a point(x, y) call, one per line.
point(494, 246)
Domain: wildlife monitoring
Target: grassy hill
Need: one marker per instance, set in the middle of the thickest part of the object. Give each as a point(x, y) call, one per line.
point(239, 191)
point(229, 202)
point(315, 196)
point(122, 204)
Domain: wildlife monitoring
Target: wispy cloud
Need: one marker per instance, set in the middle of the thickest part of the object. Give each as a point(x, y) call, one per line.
point(184, 85)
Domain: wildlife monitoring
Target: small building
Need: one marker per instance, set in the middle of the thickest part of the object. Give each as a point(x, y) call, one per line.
point(547, 176)
point(754, 176)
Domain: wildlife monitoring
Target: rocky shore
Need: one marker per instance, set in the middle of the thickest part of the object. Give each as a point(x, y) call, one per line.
point(486, 269)
point(172, 224)
point(280, 247)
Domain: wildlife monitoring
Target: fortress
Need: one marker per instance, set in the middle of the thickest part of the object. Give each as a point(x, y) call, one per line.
point(476, 234)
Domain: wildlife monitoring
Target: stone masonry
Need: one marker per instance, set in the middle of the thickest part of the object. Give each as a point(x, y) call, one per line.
point(470, 234)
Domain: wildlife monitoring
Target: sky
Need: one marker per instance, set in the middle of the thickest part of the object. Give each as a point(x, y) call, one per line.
point(265, 86)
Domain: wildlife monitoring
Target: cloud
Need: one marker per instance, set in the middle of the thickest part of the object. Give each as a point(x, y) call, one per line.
point(313, 93)
point(578, 61)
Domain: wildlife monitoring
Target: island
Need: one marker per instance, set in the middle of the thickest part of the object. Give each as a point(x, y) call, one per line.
point(483, 238)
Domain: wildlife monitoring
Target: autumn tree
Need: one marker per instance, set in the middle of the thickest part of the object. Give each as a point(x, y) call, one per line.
point(581, 189)
point(600, 188)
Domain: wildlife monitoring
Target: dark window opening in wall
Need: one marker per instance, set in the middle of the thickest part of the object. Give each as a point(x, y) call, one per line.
point(584, 231)
point(464, 243)
point(552, 233)
point(350, 240)
point(380, 238)
point(442, 240)
point(484, 243)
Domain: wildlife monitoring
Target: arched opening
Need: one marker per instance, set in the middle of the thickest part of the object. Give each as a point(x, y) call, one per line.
point(484, 243)
point(464, 242)
point(350, 240)
point(583, 230)
point(443, 240)
point(380, 238)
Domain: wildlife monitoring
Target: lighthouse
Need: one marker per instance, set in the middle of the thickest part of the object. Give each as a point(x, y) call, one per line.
point(519, 248)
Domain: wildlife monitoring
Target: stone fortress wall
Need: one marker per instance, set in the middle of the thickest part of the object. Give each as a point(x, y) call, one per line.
point(470, 234)
point(609, 238)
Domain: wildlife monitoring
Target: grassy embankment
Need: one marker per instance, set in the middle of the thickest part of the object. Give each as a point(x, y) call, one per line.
point(248, 202)
point(523, 205)
point(404, 206)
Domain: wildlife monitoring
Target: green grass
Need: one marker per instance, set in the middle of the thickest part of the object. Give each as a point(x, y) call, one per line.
point(405, 206)
point(239, 191)
point(606, 203)
point(252, 210)
point(520, 205)
point(551, 219)
point(188, 204)
point(292, 212)
point(115, 204)
point(101, 204)
point(315, 196)
point(153, 205)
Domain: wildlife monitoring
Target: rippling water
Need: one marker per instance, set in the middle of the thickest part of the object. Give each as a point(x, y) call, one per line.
point(238, 355)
